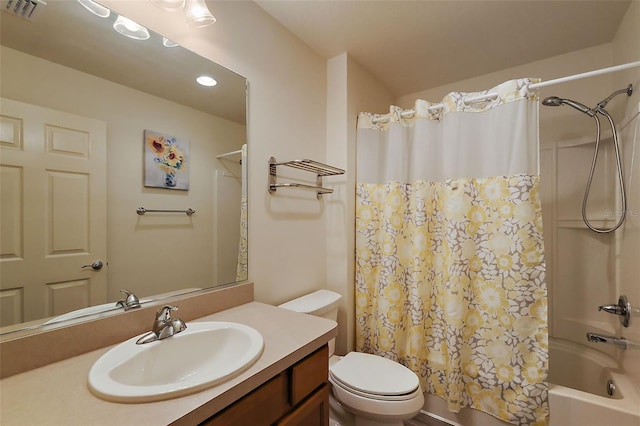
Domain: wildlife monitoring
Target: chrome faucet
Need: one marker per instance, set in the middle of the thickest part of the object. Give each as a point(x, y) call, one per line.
point(620, 342)
point(164, 326)
point(130, 302)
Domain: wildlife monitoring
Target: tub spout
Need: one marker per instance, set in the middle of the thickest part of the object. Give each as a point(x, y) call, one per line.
point(599, 338)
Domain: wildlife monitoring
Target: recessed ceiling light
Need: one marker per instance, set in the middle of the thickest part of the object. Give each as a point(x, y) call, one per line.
point(168, 43)
point(205, 80)
point(95, 8)
point(131, 29)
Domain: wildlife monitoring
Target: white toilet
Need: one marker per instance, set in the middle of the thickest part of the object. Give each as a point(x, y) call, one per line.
point(366, 390)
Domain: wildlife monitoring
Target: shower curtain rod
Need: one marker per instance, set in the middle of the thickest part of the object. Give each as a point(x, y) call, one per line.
point(228, 154)
point(490, 96)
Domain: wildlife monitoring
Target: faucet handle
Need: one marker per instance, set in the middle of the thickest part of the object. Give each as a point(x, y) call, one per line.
point(613, 309)
point(623, 309)
point(164, 313)
point(178, 325)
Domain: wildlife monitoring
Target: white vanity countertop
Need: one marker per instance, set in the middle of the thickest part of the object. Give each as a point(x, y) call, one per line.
point(57, 394)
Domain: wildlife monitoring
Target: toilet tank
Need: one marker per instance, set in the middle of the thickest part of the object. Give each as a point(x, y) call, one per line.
point(321, 303)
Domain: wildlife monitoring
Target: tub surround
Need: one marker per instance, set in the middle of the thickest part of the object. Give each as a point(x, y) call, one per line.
point(58, 393)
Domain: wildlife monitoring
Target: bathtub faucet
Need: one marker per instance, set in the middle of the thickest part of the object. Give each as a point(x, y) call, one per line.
point(599, 338)
point(623, 309)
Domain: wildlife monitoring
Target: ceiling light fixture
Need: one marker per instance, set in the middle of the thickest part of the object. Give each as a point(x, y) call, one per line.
point(205, 80)
point(169, 43)
point(95, 8)
point(131, 29)
point(198, 14)
point(170, 5)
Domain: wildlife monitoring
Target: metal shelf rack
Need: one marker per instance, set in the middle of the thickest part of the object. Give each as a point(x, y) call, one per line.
point(319, 169)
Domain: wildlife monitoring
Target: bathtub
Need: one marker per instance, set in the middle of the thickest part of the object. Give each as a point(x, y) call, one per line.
point(578, 377)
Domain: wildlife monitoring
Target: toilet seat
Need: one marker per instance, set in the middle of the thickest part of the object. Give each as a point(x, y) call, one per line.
point(371, 396)
point(374, 377)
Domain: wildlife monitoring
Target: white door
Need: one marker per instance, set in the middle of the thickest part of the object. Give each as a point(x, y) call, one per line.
point(52, 212)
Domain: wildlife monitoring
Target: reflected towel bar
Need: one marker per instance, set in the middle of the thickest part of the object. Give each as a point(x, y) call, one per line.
point(142, 210)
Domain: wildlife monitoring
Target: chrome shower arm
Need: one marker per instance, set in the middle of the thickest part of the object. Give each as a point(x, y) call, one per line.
point(628, 90)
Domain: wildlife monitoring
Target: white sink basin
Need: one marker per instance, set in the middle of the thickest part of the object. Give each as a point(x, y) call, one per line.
point(203, 355)
point(99, 310)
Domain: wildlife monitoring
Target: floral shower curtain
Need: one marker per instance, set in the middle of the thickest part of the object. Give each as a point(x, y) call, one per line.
point(242, 266)
point(449, 251)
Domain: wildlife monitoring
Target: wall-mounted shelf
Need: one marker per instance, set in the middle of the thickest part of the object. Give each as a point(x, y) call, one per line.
point(319, 169)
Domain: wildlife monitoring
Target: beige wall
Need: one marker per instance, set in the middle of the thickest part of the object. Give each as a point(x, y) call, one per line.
point(138, 247)
point(350, 89)
point(286, 119)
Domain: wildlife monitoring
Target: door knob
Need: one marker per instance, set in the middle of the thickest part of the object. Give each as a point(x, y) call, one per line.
point(96, 266)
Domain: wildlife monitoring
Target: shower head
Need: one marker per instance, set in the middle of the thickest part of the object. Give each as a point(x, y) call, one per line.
point(556, 101)
point(552, 101)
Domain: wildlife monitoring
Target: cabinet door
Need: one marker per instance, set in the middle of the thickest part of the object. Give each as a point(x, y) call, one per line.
point(314, 411)
point(263, 406)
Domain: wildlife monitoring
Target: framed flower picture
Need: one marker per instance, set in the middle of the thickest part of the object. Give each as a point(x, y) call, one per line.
point(165, 161)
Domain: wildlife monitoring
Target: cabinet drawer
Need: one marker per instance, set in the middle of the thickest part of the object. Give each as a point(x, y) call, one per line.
point(309, 374)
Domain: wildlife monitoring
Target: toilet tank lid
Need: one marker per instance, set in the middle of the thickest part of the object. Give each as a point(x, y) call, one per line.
point(316, 303)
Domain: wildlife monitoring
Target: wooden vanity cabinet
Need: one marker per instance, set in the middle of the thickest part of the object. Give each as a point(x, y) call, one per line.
point(297, 396)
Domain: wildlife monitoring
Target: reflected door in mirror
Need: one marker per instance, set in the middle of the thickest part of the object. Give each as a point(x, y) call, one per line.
point(53, 185)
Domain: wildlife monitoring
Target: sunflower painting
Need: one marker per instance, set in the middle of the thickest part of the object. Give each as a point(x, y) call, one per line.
point(165, 161)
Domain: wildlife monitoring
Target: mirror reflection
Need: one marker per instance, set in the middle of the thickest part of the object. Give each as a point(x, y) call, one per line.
point(93, 126)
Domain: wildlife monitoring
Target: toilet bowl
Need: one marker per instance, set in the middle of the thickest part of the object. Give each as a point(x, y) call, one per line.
point(376, 390)
point(366, 389)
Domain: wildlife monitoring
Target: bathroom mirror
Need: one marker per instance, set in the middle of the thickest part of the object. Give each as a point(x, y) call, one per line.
point(93, 125)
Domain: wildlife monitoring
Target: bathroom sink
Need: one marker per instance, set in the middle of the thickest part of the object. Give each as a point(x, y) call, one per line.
point(204, 355)
point(98, 310)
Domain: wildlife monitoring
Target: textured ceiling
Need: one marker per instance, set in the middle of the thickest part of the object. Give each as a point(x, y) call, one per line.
point(417, 45)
